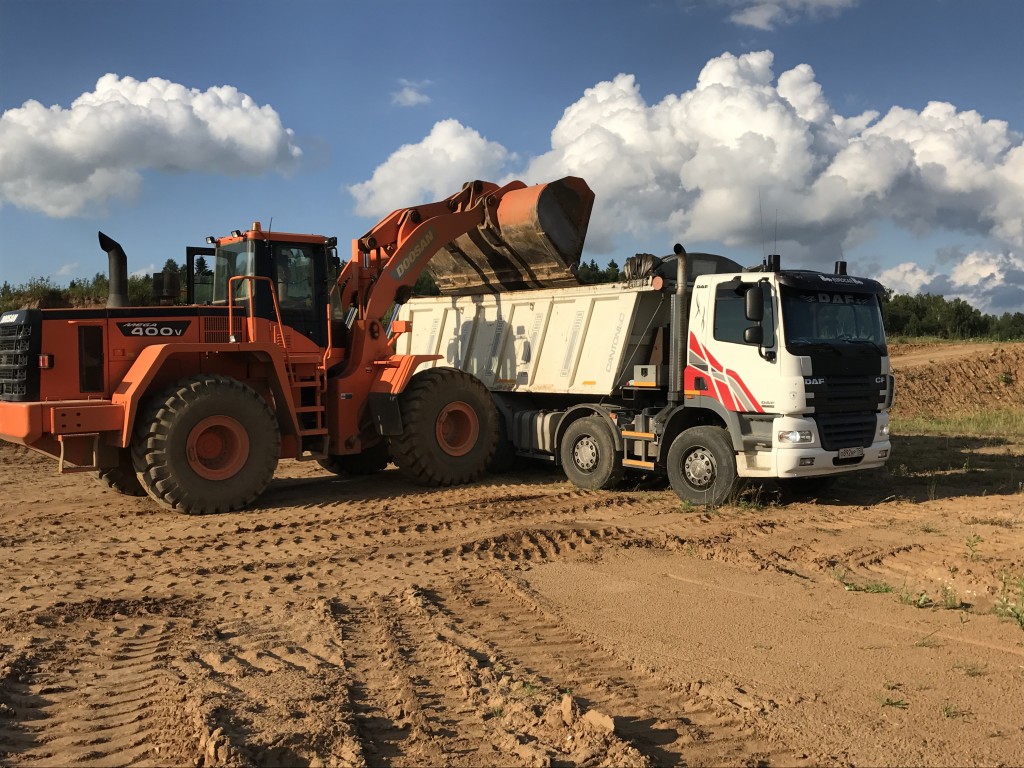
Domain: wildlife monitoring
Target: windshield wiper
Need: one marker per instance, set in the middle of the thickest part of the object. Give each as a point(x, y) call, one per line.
point(817, 346)
point(851, 340)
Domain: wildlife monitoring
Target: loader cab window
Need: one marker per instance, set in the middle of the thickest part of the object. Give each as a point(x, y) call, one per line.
point(730, 315)
point(293, 266)
point(231, 260)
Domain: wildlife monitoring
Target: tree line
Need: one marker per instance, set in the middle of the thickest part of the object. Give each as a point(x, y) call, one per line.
point(904, 315)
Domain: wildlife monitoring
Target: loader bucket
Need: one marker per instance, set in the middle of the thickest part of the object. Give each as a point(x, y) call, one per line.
point(537, 243)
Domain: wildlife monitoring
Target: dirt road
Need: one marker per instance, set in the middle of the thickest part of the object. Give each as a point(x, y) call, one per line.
point(519, 621)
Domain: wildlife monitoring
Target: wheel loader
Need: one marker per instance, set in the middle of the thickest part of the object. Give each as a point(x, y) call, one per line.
point(284, 352)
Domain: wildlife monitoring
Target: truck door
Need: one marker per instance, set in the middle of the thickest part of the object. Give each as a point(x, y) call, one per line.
point(743, 377)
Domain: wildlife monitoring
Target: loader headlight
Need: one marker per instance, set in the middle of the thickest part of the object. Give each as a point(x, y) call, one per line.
point(795, 436)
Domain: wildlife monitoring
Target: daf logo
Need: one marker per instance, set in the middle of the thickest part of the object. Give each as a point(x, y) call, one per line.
point(812, 382)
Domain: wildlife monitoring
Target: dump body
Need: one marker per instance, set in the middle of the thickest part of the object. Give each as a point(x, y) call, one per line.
point(582, 340)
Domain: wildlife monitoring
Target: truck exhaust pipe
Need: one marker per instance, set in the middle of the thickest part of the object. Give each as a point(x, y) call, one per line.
point(677, 362)
point(117, 295)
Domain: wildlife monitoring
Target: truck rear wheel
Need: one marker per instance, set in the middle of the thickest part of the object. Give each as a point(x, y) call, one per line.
point(122, 478)
point(702, 466)
point(450, 428)
point(588, 454)
point(206, 444)
point(369, 462)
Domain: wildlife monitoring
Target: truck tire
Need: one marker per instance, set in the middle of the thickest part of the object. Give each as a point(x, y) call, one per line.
point(588, 454)
point(701, 466)
point(369, 462)
point(450, 428)
point(122, 478)
point(206, 444)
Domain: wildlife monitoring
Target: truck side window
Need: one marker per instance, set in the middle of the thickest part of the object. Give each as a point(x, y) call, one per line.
point(731, 319)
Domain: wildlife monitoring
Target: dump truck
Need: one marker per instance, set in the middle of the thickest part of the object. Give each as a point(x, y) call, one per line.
point(285, 352)
point(694, 367)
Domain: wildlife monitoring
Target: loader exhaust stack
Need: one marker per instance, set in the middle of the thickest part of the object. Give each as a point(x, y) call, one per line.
point(117, 295)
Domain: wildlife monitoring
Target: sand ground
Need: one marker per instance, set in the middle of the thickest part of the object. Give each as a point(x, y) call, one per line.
point(522, 621)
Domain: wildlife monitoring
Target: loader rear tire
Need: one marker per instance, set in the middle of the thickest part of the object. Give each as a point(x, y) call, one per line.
point(369, 462)
point(450, 428)
point(206, 444)
point(122, 478)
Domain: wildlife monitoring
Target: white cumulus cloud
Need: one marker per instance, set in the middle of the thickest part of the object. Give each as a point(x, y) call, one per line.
point(411, 93)
point(431, 169)
point(768, 14)
point(63, 161)
point(992, 281)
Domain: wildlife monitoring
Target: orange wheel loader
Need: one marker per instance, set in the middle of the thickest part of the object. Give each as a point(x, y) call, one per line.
point(282, 352)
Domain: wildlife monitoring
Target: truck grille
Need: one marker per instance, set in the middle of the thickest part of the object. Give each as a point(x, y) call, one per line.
point(19, 355)
point(846, 430)
point(833, 394)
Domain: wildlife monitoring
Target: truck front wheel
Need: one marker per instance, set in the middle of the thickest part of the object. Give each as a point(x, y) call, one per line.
point(702, 466)
point(207, 444)
point(588, 454)
point(450, 428)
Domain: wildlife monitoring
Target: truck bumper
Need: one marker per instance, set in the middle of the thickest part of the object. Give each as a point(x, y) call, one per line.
point(811, 459)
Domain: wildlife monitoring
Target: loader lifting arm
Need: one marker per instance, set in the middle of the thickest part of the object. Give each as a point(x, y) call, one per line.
point(484, 238)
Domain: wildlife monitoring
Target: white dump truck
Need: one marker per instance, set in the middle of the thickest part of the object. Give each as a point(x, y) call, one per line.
point(693, 366)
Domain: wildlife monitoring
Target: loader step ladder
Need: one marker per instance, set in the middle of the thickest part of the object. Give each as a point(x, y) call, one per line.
point(309, 384)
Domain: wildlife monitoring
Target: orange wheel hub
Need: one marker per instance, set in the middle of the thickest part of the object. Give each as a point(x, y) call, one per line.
point(457, 428)
point(217, 448)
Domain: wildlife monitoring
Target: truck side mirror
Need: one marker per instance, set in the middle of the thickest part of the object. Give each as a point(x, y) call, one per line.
point(754, 335)
point(754, 303)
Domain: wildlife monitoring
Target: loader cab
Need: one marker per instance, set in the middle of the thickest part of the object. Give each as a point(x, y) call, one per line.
point(297, 266)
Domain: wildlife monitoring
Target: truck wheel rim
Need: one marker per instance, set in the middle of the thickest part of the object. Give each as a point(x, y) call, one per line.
point(217, 448)
point(699, 468)
point(585, 453)
point(457, 428)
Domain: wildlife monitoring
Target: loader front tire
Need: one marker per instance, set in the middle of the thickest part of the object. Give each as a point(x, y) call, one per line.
point(450, 428)
point(206, 444)
point(122, 478)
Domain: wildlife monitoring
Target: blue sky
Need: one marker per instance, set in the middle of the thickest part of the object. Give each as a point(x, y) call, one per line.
point(886, 131)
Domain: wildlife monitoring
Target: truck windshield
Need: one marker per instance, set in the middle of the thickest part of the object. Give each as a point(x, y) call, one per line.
point(832, 319)
point(228, 261)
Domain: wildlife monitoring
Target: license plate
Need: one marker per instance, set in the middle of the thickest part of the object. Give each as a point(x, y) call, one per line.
point(850, 453)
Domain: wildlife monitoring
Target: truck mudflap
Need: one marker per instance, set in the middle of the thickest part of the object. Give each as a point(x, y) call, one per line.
point(536, 242)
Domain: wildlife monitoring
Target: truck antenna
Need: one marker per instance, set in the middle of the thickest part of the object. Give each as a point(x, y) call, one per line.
point(760, 211)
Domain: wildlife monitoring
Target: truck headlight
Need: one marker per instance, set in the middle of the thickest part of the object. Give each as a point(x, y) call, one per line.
point(795, 436)
point(883, 431)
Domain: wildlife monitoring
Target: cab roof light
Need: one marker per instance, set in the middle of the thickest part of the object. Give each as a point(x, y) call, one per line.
point(236, 233)
point(210, 239)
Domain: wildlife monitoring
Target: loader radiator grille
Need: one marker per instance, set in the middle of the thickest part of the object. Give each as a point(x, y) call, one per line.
point(19, 355)
point(215, 330)
point(846, 430)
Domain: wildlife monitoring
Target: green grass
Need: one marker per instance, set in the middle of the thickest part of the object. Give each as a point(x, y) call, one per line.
point(1004, 422)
